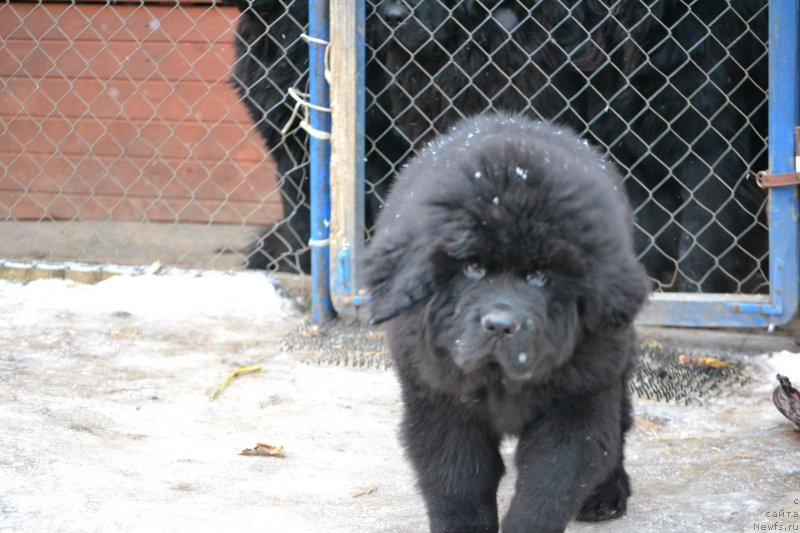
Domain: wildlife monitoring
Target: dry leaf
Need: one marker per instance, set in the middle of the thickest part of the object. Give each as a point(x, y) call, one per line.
point(265, 450)
point(365, 492)
point(710, 362)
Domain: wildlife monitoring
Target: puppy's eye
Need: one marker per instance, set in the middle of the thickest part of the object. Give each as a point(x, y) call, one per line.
point(537, 279)
point(474, 271)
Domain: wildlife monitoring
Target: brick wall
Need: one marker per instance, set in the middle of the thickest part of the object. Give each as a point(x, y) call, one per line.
point(125, 113)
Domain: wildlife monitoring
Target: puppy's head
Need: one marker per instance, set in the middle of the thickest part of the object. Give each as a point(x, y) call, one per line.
point(498, 321)
point(415, 23)
point(506, 242)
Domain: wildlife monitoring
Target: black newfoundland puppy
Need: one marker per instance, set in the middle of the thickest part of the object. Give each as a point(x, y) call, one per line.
point(504, 265)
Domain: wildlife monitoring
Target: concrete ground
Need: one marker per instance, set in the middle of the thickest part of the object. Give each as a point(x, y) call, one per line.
point(107, 423)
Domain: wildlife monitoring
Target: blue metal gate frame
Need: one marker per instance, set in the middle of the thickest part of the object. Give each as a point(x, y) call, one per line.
point(320, 155)
point(670, 309)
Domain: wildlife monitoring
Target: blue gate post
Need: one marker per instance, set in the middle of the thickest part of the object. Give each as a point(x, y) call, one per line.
point(784, 117)
point(320, 153)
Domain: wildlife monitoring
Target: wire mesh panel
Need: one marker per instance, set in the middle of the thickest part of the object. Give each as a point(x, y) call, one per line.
point(271, 74)
point(674, 91)
point(172, 131)
point(123, 139)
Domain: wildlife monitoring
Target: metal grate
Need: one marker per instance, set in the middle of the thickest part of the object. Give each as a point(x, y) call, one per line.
point(662, 373)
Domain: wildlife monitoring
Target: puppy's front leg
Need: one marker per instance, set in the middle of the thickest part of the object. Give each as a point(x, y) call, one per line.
point(561, 458)
point(457, 461)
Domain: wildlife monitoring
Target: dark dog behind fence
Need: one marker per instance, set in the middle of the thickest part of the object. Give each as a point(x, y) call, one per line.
point(271, 59)
point(674, 91)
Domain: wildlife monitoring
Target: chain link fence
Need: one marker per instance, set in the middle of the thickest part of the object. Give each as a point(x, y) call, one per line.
point(124, 141)
point(169, 131)
point(674, 91)
point(271, 76)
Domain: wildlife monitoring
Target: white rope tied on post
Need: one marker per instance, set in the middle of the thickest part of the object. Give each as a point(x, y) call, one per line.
point(301, 98)
point(318, 242)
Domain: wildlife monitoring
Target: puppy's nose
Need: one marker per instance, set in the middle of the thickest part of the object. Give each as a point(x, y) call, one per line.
point(500, 322)
point(393, 13)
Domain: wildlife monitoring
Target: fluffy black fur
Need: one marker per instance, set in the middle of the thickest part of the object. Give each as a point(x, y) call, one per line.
point(270, 59)
point(451, 59)
point(504, 265)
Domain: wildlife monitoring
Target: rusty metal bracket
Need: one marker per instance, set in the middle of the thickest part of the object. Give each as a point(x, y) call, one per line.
point(787, 179)
point(765, 180)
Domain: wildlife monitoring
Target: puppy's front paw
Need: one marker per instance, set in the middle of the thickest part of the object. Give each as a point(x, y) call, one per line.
point(609, 500)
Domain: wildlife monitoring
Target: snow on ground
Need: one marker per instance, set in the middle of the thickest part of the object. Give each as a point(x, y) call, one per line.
point(173, 297)
point(106, 425)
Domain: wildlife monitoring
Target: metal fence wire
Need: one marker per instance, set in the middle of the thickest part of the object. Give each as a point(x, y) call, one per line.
point(271, 74)
point(173, 131)
point(152, 131)
point(674, 91)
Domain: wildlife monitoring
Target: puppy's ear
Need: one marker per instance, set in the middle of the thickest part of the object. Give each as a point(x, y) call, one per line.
point(616, 295)
point(398, 273)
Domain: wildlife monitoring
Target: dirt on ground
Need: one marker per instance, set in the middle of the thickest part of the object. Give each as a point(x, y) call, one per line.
point(108, 423)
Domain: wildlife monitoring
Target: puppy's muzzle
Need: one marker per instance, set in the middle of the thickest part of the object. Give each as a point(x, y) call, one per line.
point(393, 13)
point(500, 322)
point(507, 328)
